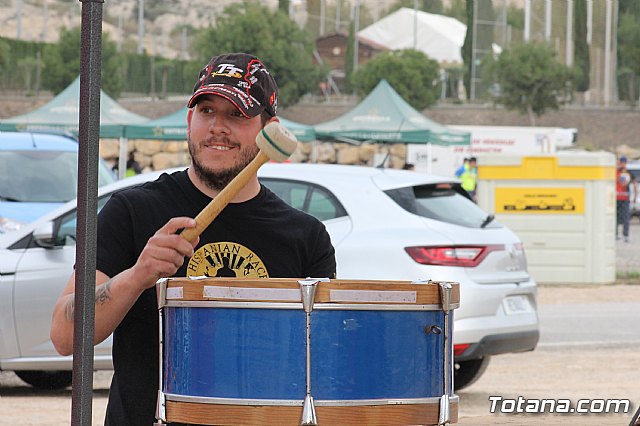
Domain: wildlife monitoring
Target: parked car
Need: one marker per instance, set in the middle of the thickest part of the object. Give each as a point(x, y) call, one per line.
point(39, 173)
point(385, 225)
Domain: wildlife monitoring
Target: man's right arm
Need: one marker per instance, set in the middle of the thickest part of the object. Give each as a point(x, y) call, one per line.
point(161, 257)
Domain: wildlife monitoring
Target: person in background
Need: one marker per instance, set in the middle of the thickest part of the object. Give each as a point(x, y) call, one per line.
point(133, 167)
point(468, 175)
point(409, 166)
point(624, 182)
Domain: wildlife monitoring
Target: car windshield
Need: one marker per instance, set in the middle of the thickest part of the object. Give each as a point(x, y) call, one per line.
point(443, 202)
point(41, 176)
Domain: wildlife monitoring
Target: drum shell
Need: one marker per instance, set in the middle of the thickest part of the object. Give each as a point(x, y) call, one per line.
point(259, 353)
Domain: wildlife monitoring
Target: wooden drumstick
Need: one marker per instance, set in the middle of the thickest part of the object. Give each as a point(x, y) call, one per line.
point(276, 143)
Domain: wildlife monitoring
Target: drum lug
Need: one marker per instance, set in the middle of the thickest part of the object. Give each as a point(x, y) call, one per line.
point(308, 412)
point(161, 414)
point(445, 414)
point(161, 292)
point(308, 292)
point(445, 295)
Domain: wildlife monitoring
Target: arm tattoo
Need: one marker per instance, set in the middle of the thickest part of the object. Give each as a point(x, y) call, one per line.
point(103, 295)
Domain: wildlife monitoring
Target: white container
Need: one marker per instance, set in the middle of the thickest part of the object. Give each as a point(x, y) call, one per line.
point(563, 208)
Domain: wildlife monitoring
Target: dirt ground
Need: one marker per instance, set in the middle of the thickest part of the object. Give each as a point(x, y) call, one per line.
point(548, 372)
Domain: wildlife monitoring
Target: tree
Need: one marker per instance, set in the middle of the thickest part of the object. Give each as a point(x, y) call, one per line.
point(467, 49)
point(628, 50)
point(349, 60)
point(531, 81)
point(582, 61)
point(62, 63)
point(286, 50)
point(283, 6)
point(629, 57)
point(411, 73)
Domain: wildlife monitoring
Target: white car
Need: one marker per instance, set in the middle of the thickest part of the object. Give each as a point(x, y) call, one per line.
point(385, 225)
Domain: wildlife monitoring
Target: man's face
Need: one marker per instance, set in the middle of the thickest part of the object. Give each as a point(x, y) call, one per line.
point(222, 141)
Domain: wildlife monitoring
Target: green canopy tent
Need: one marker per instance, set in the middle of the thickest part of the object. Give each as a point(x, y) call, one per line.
point(383, 116)
point(174, 127)
point(303, 132)
point(62, 114)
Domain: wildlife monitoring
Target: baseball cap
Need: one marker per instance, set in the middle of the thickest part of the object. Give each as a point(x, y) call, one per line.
point(623, 159)
point(240, 78)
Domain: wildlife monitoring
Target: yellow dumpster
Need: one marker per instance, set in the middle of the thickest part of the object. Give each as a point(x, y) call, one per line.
point(563, 208)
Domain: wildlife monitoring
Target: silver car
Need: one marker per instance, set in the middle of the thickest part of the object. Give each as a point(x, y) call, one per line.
point(385, 225)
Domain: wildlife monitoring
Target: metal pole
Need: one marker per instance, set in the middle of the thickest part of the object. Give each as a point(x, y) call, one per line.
point(322, 16)
point(473, 49)
point(589, 21)
point(19, 19)
point(527, 20)
point(415, 24)
point(547, 20)
point(614, 53)
point(607, 55)
point(140, 26)
point(568, 52)
point(356, 43)
point(89, 131)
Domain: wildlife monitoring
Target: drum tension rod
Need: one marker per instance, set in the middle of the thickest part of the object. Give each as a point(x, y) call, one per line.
point(308, 289)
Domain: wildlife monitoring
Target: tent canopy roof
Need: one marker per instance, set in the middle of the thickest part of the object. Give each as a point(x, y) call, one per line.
point(383, 116)
point(62, 114)
point(174, 127)
point(439, 37)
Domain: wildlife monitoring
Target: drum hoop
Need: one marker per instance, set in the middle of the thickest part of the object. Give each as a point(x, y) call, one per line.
point(295, 402)
point(298, 306)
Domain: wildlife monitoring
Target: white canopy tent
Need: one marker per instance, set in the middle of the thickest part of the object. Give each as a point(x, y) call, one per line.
point(439, 37)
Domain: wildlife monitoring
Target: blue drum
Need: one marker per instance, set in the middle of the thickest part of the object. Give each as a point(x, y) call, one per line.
point(306, 352)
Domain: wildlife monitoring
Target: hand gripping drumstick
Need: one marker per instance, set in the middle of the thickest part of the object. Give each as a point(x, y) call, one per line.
point(276, 143)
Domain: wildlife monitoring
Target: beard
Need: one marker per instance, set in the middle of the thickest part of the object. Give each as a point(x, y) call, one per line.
point(218, 179)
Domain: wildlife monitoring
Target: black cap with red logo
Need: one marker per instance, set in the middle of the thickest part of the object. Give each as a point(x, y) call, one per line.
point(240, 78)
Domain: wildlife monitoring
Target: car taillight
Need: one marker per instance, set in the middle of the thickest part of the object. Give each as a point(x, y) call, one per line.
point(460, 349)
point(464, 256)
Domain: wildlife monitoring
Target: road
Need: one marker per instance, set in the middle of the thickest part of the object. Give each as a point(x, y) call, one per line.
point(588, 350)
point(598, 324)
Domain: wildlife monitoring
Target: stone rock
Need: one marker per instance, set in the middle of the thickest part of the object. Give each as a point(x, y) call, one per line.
point(109, 149)
point(149, 147)
point(348, 155)
point(367, 152)
point(326, 153)
point(165, 160)
point(398, 149)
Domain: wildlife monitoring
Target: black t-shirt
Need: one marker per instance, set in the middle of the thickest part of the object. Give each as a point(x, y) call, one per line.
point(262, 237)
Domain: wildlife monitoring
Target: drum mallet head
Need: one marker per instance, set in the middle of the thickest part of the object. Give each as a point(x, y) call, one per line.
point(276, 141)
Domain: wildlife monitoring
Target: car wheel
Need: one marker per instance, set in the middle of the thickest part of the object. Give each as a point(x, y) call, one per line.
point(46, 379)
point(465, 373)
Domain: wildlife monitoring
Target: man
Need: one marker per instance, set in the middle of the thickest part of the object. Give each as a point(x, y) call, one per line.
point(624, 182)
point(468, 174)
point(138, 240)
